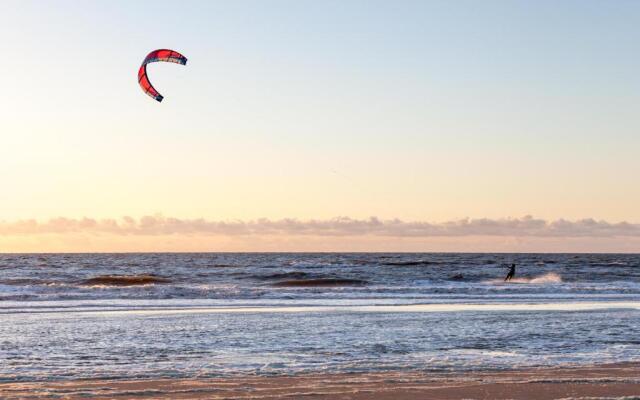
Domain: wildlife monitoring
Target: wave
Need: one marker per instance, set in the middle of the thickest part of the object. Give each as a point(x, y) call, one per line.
point(320, 282)
point(228, 266)
point(27, 282)
point(295, 275)
point(562, 306)
point(409, 263)
point(124, 280)
point(548, 278)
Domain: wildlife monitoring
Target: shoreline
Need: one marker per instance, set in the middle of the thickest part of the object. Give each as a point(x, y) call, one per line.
point(602, 381)
point(107, 310)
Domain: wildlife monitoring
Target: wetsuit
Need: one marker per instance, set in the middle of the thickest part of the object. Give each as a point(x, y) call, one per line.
point(511, 273)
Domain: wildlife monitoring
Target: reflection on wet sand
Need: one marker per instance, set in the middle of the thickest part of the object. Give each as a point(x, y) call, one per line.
point(612, 381)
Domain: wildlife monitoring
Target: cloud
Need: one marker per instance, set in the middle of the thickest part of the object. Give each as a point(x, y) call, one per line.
point(343, 226)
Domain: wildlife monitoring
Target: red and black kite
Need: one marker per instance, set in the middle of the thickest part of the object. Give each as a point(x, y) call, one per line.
point(157, 55)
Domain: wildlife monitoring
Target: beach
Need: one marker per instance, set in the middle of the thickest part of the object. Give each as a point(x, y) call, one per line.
point(617, 381)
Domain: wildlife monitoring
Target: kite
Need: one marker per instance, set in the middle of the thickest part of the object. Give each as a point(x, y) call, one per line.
point(157, 55)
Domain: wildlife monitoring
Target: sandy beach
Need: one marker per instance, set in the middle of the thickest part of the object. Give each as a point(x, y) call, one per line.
point(606, 381)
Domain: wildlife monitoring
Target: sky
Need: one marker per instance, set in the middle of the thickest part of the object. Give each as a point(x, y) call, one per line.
point(423, 112)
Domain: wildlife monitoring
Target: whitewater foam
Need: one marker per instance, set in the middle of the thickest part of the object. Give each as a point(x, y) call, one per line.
point(546, 279)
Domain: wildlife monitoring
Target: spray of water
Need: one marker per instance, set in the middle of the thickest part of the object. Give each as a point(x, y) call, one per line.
point(546, 279)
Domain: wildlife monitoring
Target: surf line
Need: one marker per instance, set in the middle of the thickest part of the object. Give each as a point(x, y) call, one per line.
point(408, 308)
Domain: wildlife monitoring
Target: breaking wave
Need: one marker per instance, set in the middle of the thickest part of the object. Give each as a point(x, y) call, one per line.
point(124, 280)
point(320, 282)
point(548, 278)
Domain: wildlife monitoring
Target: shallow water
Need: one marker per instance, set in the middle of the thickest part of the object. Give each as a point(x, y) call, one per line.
point(226, 314)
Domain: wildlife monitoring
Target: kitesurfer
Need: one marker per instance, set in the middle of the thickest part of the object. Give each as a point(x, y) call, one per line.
point(512, 272)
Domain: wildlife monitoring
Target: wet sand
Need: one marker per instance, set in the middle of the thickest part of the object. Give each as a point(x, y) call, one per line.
point(606, 381)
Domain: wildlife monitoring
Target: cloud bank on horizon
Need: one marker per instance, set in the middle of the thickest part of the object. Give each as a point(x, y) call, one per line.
point(158, 225)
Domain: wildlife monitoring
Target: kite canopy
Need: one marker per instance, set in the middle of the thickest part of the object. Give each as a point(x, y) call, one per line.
point(157, 55)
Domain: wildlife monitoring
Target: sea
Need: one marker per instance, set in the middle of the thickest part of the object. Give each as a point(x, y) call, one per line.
point(123, 316)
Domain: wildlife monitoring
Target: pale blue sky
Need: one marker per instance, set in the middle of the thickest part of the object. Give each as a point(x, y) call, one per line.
point(418, 110)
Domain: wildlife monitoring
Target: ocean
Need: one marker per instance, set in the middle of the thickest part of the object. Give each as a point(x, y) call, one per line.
point(65, 316)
